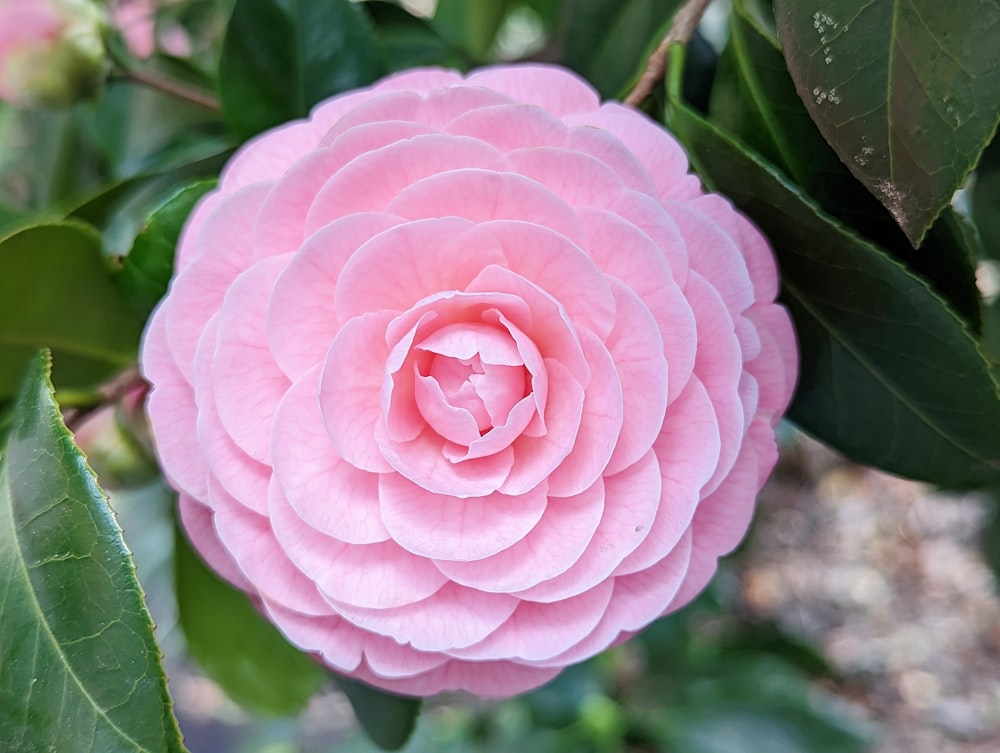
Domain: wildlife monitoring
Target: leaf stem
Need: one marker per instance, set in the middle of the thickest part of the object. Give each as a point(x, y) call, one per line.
point(109, 394)
point(681, 30)
point(172, 88)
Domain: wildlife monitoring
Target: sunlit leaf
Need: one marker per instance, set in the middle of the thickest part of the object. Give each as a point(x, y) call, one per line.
point(80, 668)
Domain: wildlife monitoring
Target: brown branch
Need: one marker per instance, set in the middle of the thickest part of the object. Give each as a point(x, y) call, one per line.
point(110, 393)
point(173, 88)
point(681, 30)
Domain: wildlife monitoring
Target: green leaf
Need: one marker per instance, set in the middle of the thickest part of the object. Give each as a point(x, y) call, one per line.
point(986, 200)
point(471, 25)
point(593, 33)
point(889, 374)
point(281, 57)
point(236, 646)
point(906, 91)
point(754, 99)
point(408, 42)
point(387, 718)
point(56, 291)
point(146, 271)
point(81, 670)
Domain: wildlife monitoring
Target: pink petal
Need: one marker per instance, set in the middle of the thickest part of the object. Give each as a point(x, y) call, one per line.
point(535, 458)
point(509, 126)
point(267, 156)
point(239, 474)
point(599, 428)
point(577, 178)
point(223, 251)
point(350, 395)
point(482, 195)
point(549, 549)
point(282, 218)
point(601, 145)
point(246, 380)
point(652, 218)
point(196, 520)
point(301, 318)
point(757, 253)
point(777, 365)
point(454, 617)
point(631, 500)
point(487, 679)
point(249, 539)
point(715, 257)
point(558, 266)
point(371, 181)
point(718, 365)
point(724, 515)
point(377, 576)
point(448, 528)
point(636, 349)
point(327, 492)
point(404, 264)
point(335, 639)
point(424, 462)
point(687, 451)
point(419, 80)
point(536, 632)
point(636, 601)
point(549, 87)
point(645, 269)
point(659, 152)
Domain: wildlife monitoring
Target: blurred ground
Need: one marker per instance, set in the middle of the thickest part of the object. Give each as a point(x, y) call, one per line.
point(885, 577)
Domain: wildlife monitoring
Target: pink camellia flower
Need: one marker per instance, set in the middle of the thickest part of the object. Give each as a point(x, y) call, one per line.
point(51, 52)
point(464, 380)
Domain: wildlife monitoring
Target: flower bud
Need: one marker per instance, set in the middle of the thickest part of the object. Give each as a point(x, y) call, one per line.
point(51, 51)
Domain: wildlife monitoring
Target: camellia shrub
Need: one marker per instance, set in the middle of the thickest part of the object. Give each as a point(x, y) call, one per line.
point(462, 333)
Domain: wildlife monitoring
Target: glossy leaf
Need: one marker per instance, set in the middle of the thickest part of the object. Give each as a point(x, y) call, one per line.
point(388, 719)
point(593, 35)
point(146, 271)
point(236, 646)
point(80, 668)
point(281, 57)
point(407, 41)
point(56, 291)
point(889, 375)
point(754, 99)
point(906, 91)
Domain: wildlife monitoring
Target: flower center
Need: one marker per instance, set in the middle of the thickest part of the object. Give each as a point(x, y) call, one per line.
point(469, 380)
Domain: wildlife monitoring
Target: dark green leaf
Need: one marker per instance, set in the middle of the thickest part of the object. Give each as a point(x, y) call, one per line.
point(754, 98)
point(889, 374)
point(471, 25)
point(146, 271)
point(593, 34)
point(407, 41)
point(81, 669)
point(56, 291)
point(906, 91)
point(986, 200)
point(281, 57)
point(236, 646)
point(387, 718)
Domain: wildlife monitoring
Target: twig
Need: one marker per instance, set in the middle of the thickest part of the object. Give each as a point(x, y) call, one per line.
point(681, 30)
point(173, 88)
point(110, 393)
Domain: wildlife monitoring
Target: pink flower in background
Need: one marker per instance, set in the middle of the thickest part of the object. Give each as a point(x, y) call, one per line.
point(136, 20)
point(465, 380)
point(51, 52)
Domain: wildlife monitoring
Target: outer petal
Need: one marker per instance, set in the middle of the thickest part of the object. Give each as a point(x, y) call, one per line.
point(551, 88)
